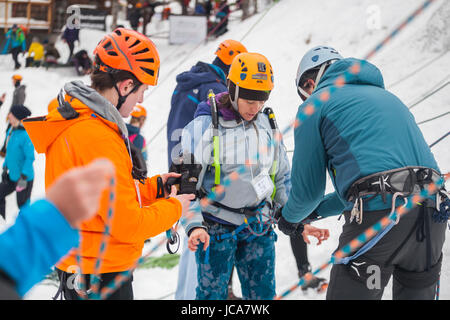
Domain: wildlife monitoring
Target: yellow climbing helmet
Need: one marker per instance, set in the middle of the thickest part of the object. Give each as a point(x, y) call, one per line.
point(250, 77)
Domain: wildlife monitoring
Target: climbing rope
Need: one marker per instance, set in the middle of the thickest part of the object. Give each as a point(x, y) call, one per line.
point(370, 232)
point(425, 65)
point(397, 30)
point(434, 118)
point(440, 139)
point(429, 94)
point(93, 292)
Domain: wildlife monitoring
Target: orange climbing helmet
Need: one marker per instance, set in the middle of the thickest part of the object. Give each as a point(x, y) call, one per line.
point(138, 111)
point(17, 77)
point(229, 49)
point(131, 51)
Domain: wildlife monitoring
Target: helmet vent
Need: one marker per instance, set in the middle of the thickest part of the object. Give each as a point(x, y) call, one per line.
point(151, 60)
point(149, 71)
point(141, 51)
point(107, 46)
point(135, 43)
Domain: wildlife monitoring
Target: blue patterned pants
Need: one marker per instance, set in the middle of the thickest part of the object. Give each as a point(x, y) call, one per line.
point(253, 256)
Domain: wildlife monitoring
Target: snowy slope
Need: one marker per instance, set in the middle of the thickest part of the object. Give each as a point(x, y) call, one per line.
point(283, 34)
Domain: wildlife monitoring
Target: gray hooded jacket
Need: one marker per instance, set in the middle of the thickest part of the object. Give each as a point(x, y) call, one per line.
point(247, 151)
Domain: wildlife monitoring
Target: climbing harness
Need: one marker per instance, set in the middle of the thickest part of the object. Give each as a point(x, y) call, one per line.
point(253, 216)
point(399, 182)
point(368, 233)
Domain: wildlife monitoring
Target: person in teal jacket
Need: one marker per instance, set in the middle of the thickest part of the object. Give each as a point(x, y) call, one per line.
point(18, 172)
point(46, 230)
point(374, 152)
point(15, 44)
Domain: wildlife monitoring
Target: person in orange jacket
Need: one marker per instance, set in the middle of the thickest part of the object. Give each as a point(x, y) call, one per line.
point(89, 124)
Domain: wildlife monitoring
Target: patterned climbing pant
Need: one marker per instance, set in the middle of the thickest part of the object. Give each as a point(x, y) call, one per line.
point(253, 256)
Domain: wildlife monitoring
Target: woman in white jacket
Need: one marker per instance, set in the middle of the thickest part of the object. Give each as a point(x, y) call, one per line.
point(236, 145)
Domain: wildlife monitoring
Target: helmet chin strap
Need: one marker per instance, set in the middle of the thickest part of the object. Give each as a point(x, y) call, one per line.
point(235, 99)
point(122, 99)
point(318, 77)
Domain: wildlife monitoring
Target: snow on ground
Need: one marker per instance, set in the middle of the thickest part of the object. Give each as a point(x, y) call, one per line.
point(284, 34)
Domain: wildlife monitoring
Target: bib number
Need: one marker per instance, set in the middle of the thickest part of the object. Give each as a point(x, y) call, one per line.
point(263, 185)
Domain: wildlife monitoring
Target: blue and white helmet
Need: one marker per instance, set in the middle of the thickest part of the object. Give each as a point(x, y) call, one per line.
point(320, 56)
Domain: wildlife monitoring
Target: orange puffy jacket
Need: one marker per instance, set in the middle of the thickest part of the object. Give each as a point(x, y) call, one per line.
point(74, 137)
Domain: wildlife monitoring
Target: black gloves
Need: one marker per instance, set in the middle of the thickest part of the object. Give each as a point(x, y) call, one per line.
point(139, 171)
point(288, 228)
point(189, 170)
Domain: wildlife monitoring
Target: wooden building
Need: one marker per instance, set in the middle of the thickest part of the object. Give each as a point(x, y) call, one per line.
point(43, 15)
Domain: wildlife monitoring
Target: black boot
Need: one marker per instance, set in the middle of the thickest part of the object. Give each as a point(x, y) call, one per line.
point(316, 283)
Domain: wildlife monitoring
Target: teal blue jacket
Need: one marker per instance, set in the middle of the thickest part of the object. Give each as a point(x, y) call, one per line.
point(39, 237)
point(361, 129)
point(19, 156)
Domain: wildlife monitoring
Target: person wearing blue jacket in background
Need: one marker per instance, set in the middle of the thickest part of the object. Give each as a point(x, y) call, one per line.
point(192, 88)
point(15, 44)
point(46, 230)
point(376, 156)
point(18, 172)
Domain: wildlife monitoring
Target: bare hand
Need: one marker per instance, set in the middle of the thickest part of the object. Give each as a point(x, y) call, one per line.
point(77, 192)
point(2, 98)
point(185, 200)
point(320, 234)
point(198, 235)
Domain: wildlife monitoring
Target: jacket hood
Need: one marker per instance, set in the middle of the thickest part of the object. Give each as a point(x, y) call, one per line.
point(204, 109)
point(199, 74)
point(96, 102)
point(367, 75)
point(86, 104)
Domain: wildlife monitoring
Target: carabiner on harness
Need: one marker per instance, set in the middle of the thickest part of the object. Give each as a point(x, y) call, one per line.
point(394, 198)
point(173, 241)
point(357, 214)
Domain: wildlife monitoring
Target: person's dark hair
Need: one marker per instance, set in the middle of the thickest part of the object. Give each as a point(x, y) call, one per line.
point(225, 102)
point(310, 74)
point(102, 81)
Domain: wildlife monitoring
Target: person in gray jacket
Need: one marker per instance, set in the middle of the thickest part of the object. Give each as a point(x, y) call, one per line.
point(239, 186)
point(19, 91)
